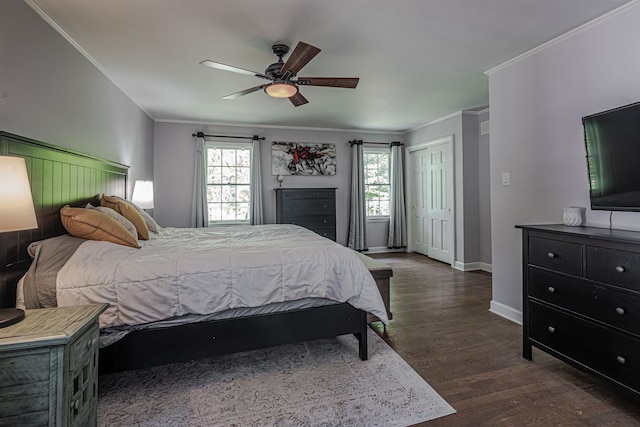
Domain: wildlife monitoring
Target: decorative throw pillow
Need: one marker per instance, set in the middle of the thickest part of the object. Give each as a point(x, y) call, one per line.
point(122, 220)
point(128, 211)
point(152, 225)
point(94, 225)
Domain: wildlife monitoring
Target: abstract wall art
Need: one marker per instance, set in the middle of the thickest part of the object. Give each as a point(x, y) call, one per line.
point(300, 158)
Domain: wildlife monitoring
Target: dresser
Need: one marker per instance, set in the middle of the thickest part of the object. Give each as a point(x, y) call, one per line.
point(581, 299)
point(312, 208)
point(49, 368)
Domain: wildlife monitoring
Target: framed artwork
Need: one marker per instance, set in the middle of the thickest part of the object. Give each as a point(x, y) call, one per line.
point(300, 158)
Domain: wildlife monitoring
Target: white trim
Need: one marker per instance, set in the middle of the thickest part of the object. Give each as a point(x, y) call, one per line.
point(505, 311)
point(383, 250)
point(262, 126)
point(441, 119)
point(423, 145)
point(473, 266)
point(564, 36)
point(381, 218)
point(67, 37)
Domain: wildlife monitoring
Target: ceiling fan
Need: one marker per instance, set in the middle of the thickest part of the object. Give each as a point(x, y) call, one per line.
point(283, 75)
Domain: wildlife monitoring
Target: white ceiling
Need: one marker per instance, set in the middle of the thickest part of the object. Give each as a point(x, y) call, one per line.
point(418, 60)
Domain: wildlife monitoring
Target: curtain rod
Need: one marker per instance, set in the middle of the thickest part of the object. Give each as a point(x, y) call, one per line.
point(359, 141)
point(202, 135)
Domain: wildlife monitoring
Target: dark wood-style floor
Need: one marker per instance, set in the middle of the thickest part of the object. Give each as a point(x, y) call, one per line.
point(443, 328)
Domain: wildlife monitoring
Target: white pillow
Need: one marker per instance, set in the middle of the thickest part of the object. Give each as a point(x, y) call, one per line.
point(115, 215)
point(152, 225)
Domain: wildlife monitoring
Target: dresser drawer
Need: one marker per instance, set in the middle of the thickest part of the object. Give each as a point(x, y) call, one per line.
point(618, 308)
point(612, 354)
point(311, 221)
point(329, 233)
point(620, 268)
point(308, 207)
point(555, 255)
point(308, 194)
point(83, 348)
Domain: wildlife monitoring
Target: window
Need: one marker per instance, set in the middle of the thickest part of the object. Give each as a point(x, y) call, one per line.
point(377, 186)
point(228, 182)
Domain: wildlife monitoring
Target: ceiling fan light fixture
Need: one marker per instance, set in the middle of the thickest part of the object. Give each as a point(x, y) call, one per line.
point(281, 89)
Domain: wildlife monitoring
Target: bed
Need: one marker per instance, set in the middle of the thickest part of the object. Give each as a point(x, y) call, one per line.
point(197, 326)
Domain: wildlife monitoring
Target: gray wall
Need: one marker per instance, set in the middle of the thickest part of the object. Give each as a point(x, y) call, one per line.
point(537, 102)
point(174, 155)
point(484, 193)
point(472, 209)
point(51, 93)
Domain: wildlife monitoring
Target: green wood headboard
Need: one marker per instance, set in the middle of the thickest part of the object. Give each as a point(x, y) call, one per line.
point(58, 177)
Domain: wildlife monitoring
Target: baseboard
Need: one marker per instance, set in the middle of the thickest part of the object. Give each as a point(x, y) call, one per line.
point(505, 311)
point(473, 266)
point(383, 250)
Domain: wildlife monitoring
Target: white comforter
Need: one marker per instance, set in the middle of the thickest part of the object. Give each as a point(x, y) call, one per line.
point(203, 271)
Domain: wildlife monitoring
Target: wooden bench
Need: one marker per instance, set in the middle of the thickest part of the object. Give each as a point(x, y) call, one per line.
point(382, 273)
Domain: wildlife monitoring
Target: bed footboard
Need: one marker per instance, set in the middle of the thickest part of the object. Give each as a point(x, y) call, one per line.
point(152, 347)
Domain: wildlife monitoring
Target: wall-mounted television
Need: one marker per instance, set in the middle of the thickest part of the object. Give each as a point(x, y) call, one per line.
point(612, 140)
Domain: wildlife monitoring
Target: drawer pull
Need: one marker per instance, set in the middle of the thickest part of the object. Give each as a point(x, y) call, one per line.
point(621, 360)
point(91, 343)
point(551, 289)
point(620, 310)
point(551, 329)
point(325, 221)
point(620, 269)
point(551, 255)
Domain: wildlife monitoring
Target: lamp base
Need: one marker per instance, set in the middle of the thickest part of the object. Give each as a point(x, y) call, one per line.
point(9, 316)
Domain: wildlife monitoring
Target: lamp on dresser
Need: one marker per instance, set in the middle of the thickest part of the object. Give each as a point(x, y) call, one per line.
point(16, 213)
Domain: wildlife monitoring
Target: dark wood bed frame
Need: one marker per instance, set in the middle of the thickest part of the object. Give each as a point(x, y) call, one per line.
point(59, 177)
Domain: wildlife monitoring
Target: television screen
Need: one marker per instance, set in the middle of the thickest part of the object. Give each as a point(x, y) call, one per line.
point(612, 140)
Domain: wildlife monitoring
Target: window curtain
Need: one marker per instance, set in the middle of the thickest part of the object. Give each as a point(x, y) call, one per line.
point(199, 208)
point(397, 211)
point(358, 213)
point(255, 215)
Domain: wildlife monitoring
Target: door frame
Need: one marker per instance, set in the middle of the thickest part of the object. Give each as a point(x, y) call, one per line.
point(449, 139)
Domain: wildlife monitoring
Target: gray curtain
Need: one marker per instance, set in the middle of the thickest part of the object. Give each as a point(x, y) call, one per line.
point(199, 209)
point(397, 211)
point(255, 214)
point(358, 214)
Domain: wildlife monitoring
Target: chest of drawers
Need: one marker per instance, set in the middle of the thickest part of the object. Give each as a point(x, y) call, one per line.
point(312, 208)
point(49, 368)
point(581, 299)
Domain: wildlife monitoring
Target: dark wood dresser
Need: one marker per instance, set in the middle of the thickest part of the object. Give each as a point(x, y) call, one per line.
point(581, 299)
point(312, 208)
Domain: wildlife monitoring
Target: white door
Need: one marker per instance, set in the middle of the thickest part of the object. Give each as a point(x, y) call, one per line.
point(432, 200)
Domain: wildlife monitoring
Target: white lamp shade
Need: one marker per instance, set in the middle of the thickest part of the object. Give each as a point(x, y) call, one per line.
point(16, 204)
point(143, 194)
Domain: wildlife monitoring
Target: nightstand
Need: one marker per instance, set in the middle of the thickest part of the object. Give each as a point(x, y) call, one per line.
point(49, 367)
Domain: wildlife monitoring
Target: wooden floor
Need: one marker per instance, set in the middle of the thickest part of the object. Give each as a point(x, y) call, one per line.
point(443, 328)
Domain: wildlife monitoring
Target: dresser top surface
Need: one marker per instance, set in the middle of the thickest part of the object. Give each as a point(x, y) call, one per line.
point(626, 236)
point(49, 326)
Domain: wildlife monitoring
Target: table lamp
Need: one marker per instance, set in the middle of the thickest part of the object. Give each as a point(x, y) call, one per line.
point(143, 194)
point(16, 213)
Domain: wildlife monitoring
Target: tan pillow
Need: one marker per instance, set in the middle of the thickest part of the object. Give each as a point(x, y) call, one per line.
point(95, 225)
point(129, 212)
point(121, 219)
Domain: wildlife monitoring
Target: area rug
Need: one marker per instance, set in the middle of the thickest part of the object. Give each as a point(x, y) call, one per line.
point(316, 383)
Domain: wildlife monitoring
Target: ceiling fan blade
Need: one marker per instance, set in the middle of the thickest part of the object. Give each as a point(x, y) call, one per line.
point(302, 54)
point(346, 82)
point(298, 100)
point(225, 67)
point(243, 92)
